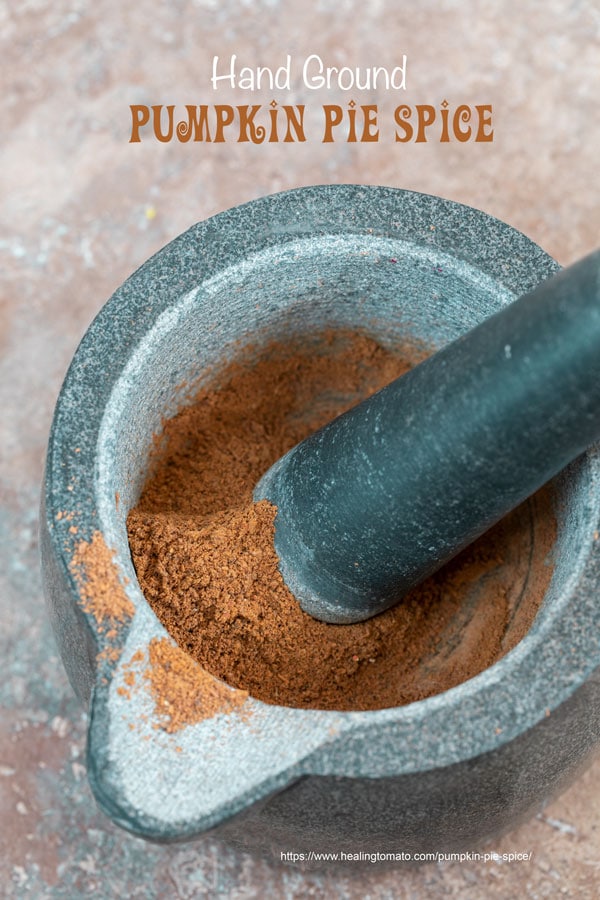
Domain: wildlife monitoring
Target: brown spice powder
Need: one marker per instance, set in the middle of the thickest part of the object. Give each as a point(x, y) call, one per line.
point(184, 693)
point(205, 559)
point(94, 570)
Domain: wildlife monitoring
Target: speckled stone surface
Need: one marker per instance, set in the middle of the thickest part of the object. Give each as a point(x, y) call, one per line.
point(82, 209)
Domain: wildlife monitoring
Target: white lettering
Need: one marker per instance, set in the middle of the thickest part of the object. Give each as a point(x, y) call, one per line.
point(401, 85)
point(230, 77)
point(284, 82)
point(313, 82)
point(316, 75)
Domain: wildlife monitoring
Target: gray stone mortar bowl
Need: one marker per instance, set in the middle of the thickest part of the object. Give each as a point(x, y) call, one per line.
point(444, 773)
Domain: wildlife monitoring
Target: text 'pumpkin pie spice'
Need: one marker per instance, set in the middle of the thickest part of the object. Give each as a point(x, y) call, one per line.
point(205, 560)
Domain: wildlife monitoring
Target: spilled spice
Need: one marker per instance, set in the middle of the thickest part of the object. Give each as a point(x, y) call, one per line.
point(102, 594)
point(204, 554)
point(130, 672)
point(184, 693)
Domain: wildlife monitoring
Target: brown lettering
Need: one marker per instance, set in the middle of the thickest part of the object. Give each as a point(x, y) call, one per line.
point(485, 121)
point(257, 132)
point(370, 132)
point(196, 125)
point(157, 124)
point(225, 115)
point(140, 116)
point(462, 114)
point(333, 117)
point(294, 119)
point(402, 115)
point(425, 117)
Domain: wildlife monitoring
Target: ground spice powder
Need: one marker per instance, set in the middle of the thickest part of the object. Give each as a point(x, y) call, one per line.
point(102, 594)
point(205, 559)
point(183, 691)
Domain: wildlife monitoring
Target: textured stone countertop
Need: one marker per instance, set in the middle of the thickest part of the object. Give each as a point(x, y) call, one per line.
point(82, 208)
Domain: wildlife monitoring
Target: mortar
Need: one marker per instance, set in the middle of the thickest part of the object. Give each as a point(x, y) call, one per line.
point(444, 773)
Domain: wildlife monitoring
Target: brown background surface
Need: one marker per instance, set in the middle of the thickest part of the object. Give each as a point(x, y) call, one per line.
point(82, 208)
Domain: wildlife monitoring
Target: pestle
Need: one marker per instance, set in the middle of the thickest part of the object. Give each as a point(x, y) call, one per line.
point(384, 495)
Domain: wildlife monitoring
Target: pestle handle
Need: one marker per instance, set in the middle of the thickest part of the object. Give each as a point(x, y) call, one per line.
point(384, 495)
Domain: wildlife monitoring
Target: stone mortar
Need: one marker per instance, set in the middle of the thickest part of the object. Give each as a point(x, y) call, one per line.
point(444, 773)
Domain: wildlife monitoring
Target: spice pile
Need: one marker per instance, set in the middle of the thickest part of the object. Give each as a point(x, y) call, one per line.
point(204, 554)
